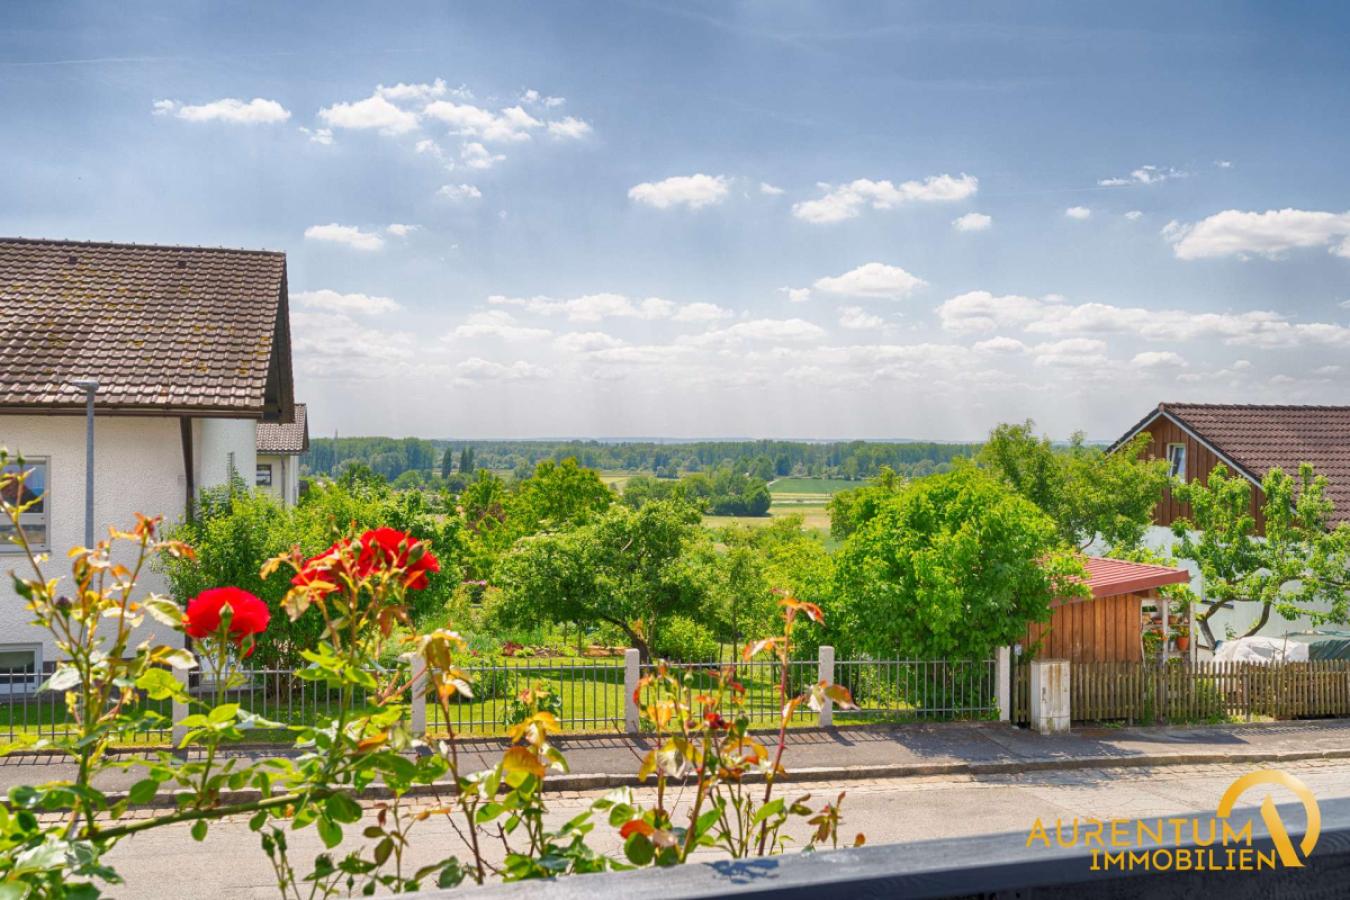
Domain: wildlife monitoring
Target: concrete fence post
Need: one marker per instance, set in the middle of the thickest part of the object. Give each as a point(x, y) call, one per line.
point(417, 706)
point(631, 667)
point(1050, 712)
point(1003, 679)
point(825, 673)
point(180, 707)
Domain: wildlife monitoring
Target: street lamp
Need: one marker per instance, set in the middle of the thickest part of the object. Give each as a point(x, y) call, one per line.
point(90, 388)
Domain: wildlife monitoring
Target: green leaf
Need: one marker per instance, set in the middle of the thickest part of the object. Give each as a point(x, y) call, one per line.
point(159, 684)
point(772, 808)
point(225, 712)
point(329, 831)
point(64, 678)
point(342, 808)
point(143, 791)
point(199, 830)
point(639, 849)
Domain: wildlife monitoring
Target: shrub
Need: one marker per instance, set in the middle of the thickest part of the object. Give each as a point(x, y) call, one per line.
point(682, 639)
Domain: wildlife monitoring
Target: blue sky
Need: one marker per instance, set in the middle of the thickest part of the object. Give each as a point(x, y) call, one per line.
point(714, 219)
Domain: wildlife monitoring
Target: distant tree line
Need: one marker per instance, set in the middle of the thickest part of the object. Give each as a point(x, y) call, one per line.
point(766, 460)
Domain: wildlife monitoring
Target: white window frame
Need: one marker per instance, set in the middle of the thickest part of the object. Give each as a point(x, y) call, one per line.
point(1172, 461)
point(271, 475)
point(30, 684)
point(43, 518)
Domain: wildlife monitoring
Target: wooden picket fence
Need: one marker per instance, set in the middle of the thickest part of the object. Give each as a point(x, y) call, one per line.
point(1186, 692)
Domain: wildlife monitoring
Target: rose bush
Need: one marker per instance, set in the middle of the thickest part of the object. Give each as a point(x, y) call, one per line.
point(54, 837)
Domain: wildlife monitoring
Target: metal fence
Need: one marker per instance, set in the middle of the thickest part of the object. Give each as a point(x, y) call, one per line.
point(591, 693)
point(762, 680)
point(916, 689)
point(589, 696)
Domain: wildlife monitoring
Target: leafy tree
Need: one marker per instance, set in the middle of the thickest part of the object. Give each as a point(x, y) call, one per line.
point(447, 463)
point(1300, 567)
point(1088, 493)
point(556, 496)
point(850, 509)
point(950, 567)
point(630, 569)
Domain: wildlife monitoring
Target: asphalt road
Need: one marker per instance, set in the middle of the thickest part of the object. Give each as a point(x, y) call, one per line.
point(229, 864)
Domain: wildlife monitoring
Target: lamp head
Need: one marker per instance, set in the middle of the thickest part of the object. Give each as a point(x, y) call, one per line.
point(88, 385)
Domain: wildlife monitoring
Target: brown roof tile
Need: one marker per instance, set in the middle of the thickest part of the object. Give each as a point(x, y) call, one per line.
point(1260, 438)
point(182, 328)
point(285, 437)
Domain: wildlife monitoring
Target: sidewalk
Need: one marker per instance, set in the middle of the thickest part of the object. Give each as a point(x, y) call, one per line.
point(599, 761)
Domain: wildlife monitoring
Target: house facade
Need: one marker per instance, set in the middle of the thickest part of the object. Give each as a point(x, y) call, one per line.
point(1249, 440)
point(190, 348)
point(279, 445)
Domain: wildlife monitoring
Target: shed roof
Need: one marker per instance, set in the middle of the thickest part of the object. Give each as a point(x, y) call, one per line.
point(1109, 577)
point(285, 437)
point(1256, 439)
point(165, 330)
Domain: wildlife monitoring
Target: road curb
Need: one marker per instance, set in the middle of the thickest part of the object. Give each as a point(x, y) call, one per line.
point(601, 781)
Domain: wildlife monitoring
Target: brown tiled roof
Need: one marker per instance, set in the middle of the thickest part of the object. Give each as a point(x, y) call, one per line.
point(183, 329)
point(1260, 438)
point(285, 437)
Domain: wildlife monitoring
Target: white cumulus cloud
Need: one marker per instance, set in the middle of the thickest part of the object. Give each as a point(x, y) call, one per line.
point(1270, 234)
point(1158, 359)
point(847, 201)
point(345, 234)
point(570, 127)
point(458, 192)
point(237, 112)
point(691, 191)
point(873, 280)
point(374, 112)
point(1078, 212)
point(973, 222)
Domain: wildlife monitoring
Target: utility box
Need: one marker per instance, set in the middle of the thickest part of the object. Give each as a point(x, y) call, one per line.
point(1050, 696)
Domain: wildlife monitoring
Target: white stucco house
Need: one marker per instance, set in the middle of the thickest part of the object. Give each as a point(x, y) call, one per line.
point(279, 446)
point(191, 350)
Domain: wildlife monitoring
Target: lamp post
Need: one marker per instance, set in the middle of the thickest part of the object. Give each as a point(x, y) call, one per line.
point(90, 388)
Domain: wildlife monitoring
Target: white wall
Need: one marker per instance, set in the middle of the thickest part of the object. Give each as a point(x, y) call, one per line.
point(138, 467)
point(216, 442)
point(285, 476)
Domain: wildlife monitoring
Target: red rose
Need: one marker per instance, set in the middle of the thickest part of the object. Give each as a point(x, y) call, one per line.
point(249, 615)
point(389, 546)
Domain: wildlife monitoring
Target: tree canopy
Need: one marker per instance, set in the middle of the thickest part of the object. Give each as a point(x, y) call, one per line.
point(1299, 567)
point(950, 567)
point(1088, 493)
point(629, 568)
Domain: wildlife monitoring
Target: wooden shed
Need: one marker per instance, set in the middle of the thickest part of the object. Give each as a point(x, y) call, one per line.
point(1107, 627)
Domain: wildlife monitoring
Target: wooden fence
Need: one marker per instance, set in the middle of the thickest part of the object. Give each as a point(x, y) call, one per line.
point(1182, 691)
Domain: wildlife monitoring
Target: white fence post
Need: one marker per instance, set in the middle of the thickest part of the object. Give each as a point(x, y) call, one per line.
point(417, 706)
point(1003, 677)
point(180, 708)
point(631, 667)
point(825, 673)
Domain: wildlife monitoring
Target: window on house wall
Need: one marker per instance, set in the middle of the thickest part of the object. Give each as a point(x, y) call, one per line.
point(1176, 461)
point(20, 668)
point(35, 520)
point(264, 474)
